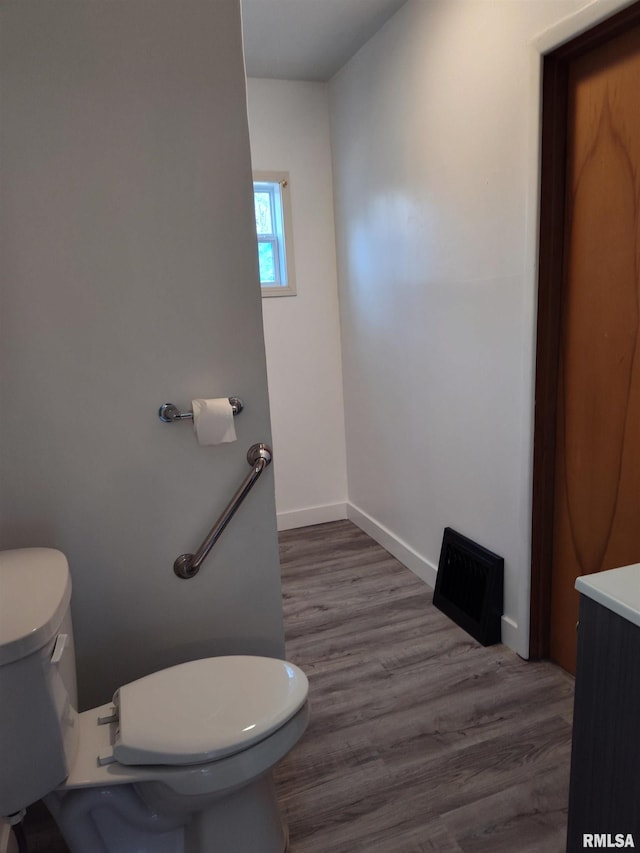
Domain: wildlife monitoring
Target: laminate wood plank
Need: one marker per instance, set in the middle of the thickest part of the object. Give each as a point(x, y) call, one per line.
point(514, 819)
point(440, 840)
point(465, 774)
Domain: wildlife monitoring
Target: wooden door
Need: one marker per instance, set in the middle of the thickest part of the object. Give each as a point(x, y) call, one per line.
point(596, 505)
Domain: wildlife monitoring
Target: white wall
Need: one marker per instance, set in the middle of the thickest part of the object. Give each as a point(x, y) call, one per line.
point(130, 278)
point(434, 134)
point(289, 130)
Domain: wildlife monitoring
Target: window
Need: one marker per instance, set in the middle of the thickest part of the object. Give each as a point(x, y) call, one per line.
point(273, 227)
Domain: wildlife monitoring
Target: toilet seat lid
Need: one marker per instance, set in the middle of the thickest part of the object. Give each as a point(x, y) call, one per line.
point(206, 709)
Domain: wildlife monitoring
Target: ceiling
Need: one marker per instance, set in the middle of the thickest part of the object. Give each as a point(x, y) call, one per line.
point(308, 39)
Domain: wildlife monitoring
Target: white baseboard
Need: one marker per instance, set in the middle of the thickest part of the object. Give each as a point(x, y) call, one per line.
point(421, 567)
point(511, 637)
point(418, 564)
point(311, 515)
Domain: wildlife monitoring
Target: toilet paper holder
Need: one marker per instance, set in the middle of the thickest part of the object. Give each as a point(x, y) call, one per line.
point(168, 413)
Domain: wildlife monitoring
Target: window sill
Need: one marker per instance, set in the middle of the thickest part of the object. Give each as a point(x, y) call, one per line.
point(277, 290)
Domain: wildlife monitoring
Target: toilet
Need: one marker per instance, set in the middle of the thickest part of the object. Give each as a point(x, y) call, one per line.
point(179, 762)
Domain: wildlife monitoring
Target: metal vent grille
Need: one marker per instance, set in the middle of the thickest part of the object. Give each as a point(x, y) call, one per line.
point(469, 586)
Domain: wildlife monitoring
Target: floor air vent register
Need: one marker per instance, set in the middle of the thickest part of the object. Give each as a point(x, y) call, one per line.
point(469, 587)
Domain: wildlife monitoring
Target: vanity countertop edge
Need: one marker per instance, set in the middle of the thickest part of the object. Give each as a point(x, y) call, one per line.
point(616, 589)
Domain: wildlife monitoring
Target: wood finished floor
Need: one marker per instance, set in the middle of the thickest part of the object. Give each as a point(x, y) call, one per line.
point(420, 739)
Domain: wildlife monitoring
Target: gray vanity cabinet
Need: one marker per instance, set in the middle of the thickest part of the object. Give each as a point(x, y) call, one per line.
point(604, 798)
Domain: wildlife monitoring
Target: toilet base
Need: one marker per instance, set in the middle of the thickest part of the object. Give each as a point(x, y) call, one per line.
point(120, 819)
point(247, 820)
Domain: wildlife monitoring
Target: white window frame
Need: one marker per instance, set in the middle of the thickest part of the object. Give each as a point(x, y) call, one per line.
point(282, 238)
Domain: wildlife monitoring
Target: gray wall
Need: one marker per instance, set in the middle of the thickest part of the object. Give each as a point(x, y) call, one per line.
point(129, 278)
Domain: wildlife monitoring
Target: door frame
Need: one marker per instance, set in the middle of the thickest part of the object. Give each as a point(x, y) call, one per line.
point(550, 291)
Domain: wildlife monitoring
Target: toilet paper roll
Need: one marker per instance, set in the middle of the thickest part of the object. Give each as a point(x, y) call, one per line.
point(213, 421)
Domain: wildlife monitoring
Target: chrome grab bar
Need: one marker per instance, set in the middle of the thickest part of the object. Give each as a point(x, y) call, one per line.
point(188, 565)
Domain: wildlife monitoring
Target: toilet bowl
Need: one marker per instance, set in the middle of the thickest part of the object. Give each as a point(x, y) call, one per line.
point(179, 762)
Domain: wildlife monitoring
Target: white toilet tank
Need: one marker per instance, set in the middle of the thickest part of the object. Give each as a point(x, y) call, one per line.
point(38, 692)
